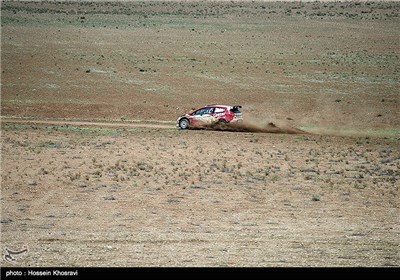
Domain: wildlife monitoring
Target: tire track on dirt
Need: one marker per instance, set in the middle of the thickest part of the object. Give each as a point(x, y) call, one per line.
point(154, 124)
point(239, 127)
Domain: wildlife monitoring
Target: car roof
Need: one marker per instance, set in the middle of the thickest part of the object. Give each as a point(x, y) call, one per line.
point(224, 106)
point(217, 105)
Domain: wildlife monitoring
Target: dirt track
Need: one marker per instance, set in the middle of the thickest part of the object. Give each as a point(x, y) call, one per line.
point(242, 127)
point(89, 123)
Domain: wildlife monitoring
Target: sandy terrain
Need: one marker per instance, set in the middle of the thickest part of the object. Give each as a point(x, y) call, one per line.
point(94, 172)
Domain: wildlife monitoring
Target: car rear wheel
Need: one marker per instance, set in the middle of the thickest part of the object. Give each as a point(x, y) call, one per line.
point(184, 124)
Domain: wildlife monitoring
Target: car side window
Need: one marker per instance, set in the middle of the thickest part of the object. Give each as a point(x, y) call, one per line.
point(198, 112)
point(219, 110)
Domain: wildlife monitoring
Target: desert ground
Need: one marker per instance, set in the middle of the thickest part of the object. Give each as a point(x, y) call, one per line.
point(94, 172)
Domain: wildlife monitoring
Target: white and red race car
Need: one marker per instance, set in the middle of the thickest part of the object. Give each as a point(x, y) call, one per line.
point(209, 116)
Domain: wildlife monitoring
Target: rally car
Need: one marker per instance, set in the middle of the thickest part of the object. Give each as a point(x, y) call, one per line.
point(209, 116)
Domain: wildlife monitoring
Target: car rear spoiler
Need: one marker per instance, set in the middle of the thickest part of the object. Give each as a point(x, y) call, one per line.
point(237, 106)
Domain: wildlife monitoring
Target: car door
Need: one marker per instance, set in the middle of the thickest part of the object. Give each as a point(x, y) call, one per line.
point(203, 117)
point(219, 113)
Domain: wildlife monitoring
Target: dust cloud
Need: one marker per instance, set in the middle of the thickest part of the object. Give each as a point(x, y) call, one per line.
point(260, 126)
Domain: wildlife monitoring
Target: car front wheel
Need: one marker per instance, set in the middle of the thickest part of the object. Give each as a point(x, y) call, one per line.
point(184, 124)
